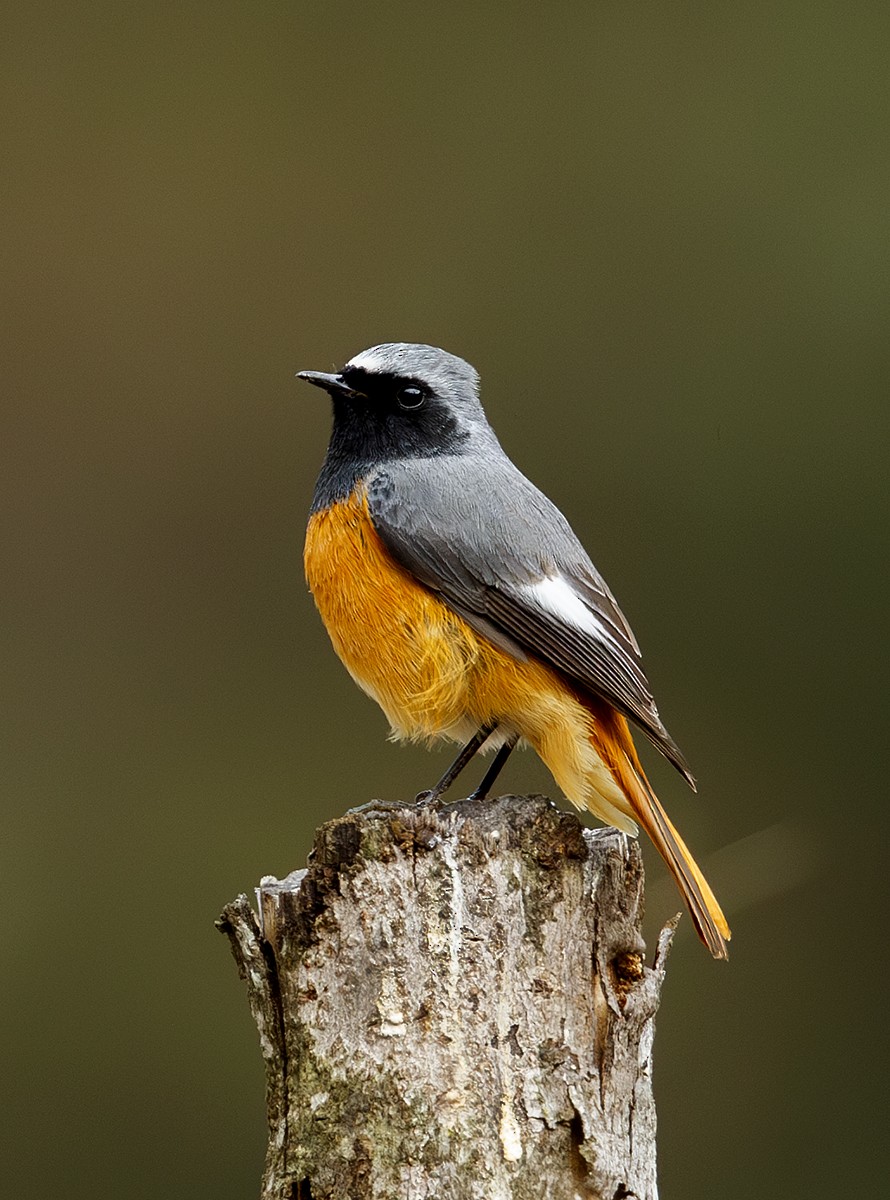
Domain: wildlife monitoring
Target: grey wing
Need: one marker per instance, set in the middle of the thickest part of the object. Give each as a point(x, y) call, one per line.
point(483, 537)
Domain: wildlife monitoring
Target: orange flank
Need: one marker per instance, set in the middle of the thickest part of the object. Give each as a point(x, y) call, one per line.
point(435, 677)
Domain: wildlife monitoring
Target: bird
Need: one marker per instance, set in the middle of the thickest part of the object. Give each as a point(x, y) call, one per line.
point(459, 598)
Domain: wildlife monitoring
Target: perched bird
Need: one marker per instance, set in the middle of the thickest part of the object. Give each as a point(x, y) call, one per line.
point(459, 598)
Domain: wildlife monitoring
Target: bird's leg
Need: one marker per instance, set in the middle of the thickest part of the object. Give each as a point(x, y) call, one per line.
point(495, 769)
point(457, 766)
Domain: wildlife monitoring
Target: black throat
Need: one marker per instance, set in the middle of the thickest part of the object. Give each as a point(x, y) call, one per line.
point(371, 431)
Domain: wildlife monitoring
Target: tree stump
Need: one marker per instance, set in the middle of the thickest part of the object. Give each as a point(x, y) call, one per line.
point(453, 1004)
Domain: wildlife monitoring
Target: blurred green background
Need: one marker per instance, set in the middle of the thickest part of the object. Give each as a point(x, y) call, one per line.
point(660, 232)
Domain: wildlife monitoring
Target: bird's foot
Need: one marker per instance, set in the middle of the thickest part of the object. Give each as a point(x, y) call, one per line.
point(428, 799)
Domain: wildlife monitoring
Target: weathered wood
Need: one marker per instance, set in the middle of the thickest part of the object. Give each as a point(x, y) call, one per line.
point(453, 1005)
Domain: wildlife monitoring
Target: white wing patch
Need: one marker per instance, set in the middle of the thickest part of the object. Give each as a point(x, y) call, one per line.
point(556, 596)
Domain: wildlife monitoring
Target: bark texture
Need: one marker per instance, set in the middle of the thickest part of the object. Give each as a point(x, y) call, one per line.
point(453, 1004)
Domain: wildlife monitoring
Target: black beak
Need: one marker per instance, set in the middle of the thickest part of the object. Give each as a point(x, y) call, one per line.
point(335, 384)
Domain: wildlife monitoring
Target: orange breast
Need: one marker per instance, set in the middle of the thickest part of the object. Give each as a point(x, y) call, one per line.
point(399, 642)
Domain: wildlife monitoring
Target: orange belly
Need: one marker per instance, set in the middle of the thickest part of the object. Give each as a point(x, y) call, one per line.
point(432, 674)
point(399, 642)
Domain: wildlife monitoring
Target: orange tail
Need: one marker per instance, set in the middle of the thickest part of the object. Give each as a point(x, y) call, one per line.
point(613, 742)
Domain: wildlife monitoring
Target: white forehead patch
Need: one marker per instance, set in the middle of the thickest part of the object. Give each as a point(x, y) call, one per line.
point(371, 360)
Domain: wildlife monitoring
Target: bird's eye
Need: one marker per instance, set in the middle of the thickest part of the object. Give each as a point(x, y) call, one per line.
point(410, 397)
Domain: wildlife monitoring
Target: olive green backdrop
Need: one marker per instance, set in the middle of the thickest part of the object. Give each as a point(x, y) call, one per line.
point(660, 232)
